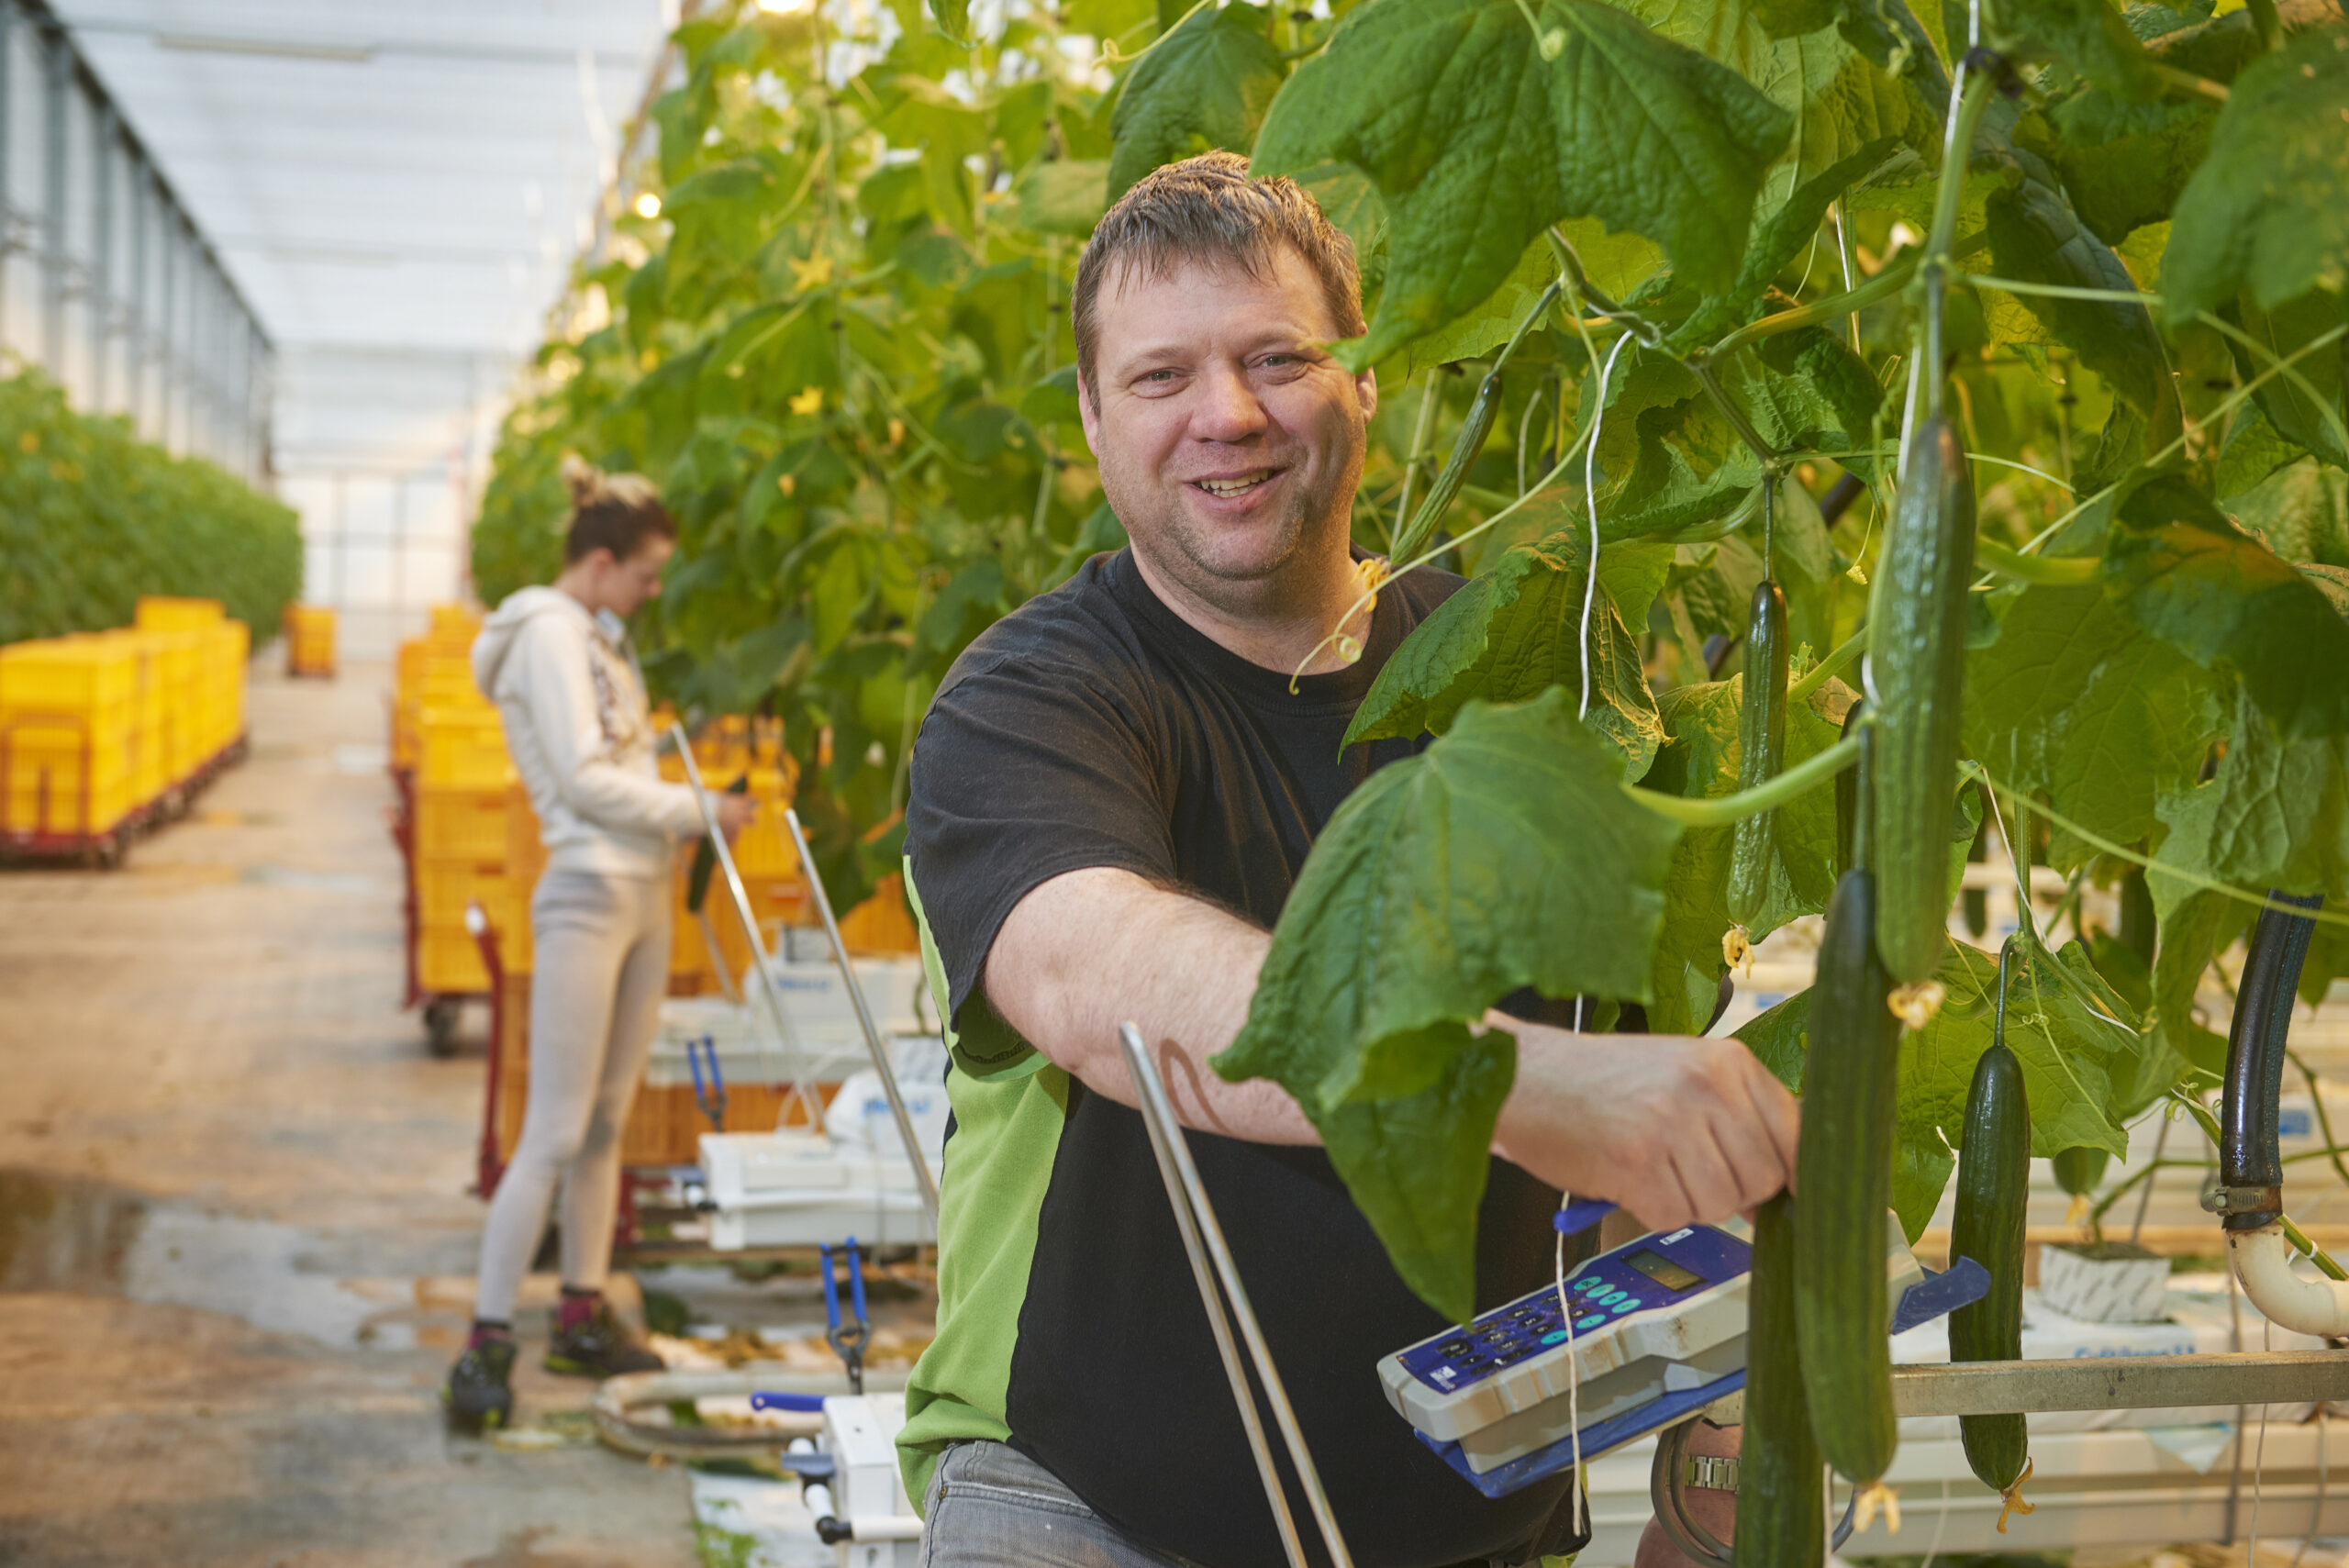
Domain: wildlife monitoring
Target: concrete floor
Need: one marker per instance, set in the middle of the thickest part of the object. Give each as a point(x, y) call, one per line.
point(235, 1233)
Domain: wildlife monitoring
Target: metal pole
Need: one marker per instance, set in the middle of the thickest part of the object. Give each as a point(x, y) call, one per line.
point(7, 121)
point(100, 294)
point(136, 189)
point(1167, 1136)
point(2121, 1383)
point(775, 1014)
point(928, 1183)
point(1186, 1222)
point(53, 88)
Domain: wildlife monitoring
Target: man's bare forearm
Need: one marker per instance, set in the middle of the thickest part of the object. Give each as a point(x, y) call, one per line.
point(1091, 950)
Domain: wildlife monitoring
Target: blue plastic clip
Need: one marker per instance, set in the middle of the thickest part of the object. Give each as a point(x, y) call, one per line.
point(1575, 1217)
point(710, 1096)
point(848, 1340)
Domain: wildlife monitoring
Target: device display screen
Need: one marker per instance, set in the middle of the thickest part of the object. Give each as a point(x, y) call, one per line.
point(1663, 1271)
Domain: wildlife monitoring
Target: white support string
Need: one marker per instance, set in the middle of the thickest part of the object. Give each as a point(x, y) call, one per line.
point(1574, 1380)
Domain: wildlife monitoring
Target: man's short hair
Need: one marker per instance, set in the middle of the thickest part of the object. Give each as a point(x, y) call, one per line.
point(610, 511)
point(1207, 209)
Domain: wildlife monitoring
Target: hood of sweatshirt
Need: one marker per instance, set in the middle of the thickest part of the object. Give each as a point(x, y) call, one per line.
point(496, 637)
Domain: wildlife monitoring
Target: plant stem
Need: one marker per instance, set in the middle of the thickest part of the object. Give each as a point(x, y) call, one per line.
point(1722, 810)
point(1952, 189)
point(1883, 286)
point(1736, 418)
point(2188, 82)
point(1851, 648)
point(2059, 291)
point(2264, 19)
point(2057, 570)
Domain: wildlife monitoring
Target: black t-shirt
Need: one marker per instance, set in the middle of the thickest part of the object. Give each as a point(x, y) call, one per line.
point(1094, 727)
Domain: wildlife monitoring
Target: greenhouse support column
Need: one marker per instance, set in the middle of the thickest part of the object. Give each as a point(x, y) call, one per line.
point(56, 80)
point(137, 183)
point(101, 289)
point(7, 105)
point(167, 341)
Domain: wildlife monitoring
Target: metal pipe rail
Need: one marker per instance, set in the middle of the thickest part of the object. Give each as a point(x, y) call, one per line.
point(2121, 1383)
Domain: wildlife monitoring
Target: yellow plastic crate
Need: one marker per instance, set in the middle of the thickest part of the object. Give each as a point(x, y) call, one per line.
point(462, 746)
point(445, 886)
point(448, 959)
point(234, 649)
point(460, 821)
point(179, 663)
point(310, 640)
point(149, 759)
point(66, 674)
point(64, 774)
point(159, 612)
point(456, 620)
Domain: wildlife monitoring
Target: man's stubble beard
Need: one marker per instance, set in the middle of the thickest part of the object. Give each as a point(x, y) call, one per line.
point(1183, 547)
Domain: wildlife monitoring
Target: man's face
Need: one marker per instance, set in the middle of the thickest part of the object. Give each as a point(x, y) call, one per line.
point(626, 584)
point(1229, 441)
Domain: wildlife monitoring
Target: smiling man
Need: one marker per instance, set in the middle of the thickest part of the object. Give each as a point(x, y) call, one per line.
point(1113, 794)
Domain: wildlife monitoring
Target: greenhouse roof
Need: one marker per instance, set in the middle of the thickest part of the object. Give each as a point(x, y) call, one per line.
point(417, 175)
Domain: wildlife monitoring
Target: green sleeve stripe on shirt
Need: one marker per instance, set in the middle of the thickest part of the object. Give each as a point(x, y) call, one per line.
point(1008, 1127)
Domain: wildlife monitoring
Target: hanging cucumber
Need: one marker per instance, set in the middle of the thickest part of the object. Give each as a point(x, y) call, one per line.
point(1481, 411)
point(1843, 1189)
point(1916, 615)
point(1976, 900)
point(706, 858)
point(1850, 802)
point(1762, 738)
point(2137, 919)
point(2078, 1171)
point(1993, 1189)
point(1781, 1517)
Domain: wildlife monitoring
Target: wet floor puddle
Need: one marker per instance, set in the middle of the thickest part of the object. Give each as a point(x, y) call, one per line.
point(93, 1238)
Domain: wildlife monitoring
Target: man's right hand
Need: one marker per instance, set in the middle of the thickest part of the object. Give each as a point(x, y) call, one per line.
point(1679, 1130)
point(734, 814)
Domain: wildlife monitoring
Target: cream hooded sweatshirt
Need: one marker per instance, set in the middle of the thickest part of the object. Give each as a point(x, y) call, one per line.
point(567, 685)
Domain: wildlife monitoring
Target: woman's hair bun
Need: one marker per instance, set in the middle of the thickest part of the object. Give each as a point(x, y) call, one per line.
point(590, 486)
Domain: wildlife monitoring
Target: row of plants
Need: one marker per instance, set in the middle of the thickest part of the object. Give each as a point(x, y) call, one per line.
point(90, 518)
point(1760, 354)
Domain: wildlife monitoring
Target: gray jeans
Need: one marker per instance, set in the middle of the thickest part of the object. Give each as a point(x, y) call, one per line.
point(992, 1506)
point(602, 969)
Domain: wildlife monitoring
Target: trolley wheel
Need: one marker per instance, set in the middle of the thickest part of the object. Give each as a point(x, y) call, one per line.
point(441, 1015)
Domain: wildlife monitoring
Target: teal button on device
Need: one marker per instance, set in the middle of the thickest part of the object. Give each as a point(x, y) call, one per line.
point(1627, 1304)
point(1553, 1336)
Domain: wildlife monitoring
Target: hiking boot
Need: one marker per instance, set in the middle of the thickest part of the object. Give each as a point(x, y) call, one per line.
point(600, 1345)
point(480, 1390)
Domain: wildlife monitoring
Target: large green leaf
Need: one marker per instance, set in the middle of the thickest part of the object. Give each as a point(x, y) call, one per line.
point(2268, 211)
point(2124, 163)
point(2304, 399)
point(1476, 142)
point(2275, 815)
point(1700, 760)
point(2087, 35)
point(2301, 512)
point(2185, 573)
point(1513, 632)
point(2080, 1068)
point(1670, 462)
point(2080, 702)
point(1205, 85)
point(1506, 855)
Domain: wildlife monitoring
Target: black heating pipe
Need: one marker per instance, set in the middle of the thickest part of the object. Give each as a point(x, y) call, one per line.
point(2251, 1165)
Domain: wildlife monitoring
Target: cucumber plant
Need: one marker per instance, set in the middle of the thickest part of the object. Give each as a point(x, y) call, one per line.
point(2087, 271)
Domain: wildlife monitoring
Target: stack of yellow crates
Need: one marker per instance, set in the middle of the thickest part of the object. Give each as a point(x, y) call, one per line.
point(204, 654)
point(309, 641)
point(448, 740)
point(97, 728)
point(69, 739)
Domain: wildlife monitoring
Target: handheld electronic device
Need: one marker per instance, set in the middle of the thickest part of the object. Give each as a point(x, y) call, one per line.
point(1649, 1334)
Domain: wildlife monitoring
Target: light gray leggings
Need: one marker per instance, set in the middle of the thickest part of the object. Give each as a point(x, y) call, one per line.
point(603, 966)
